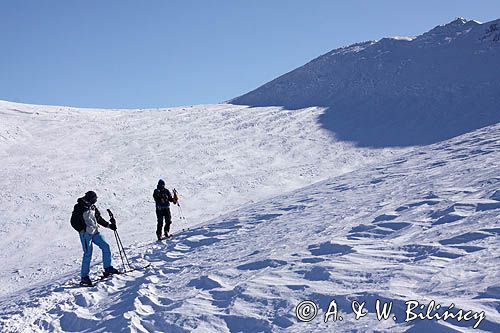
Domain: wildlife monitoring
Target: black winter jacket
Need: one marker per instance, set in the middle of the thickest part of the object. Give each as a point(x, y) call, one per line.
point(163, 198)
point(80, 208)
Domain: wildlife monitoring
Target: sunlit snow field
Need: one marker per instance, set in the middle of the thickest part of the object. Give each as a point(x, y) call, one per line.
point(279, 212)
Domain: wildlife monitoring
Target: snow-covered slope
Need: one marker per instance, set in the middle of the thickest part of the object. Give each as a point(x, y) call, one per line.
point(399, 91)
point(217, 156)
point(278, 209)
point(423, 226)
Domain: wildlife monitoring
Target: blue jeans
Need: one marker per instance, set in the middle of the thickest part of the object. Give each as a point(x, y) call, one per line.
point(87, 241)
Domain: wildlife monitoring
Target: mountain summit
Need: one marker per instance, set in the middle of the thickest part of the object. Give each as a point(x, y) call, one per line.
point(399, 91)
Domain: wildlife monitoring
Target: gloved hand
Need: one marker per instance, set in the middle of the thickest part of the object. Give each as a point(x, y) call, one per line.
point(112, 226)
point(112, 220)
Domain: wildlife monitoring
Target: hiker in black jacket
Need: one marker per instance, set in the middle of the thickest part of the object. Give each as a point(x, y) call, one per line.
point(163, 198)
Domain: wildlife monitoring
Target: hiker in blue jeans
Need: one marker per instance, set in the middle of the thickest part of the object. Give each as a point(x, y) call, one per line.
point(85, 219)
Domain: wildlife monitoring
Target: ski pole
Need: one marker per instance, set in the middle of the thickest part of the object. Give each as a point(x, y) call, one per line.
point(180, 212)
point(179, 208)
point(121, 249)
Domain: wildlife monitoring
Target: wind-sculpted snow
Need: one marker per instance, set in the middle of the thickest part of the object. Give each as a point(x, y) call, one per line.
point(423, 226)
point(397, 91)
point(217, 156)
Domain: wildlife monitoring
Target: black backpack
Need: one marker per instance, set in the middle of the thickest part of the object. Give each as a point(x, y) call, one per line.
point(77, 221)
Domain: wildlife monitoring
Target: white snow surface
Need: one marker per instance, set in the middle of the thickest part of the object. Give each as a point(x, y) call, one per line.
point(278, 212)
point(217, 156)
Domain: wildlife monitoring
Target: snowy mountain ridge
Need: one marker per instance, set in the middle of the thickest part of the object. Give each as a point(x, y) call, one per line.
point(399, 91)
point(445, 31)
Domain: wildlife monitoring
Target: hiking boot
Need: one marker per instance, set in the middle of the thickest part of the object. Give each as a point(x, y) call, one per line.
point(86, 282)
point(110, 271)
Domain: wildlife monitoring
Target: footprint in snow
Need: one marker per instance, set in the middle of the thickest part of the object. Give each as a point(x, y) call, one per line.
point(395, 226)
point(381, 227)
point(495, 195)
point(259, 218)
point(328, 248)
point(385, 217)
point(204, 283)
point(465, 238)
point(469, 248)
point(262, 264)
point(317, 273)
point(193, 243)
point(417, 252)
point(312, 260)
point(487, 205)
point(376, 181)
point(428, 202)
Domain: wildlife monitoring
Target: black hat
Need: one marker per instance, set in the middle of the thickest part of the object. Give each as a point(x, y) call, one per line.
point(91, 197)
point(161, 182)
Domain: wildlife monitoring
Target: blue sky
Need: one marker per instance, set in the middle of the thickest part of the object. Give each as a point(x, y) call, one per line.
point(153, 53)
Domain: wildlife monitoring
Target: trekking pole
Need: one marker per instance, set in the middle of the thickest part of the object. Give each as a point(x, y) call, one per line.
point(179, 208)
point(121, 249)
point(180, 212)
